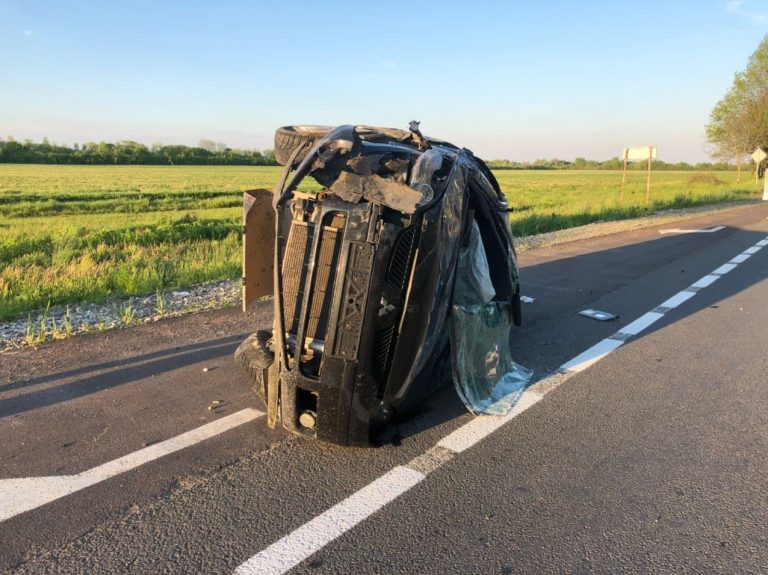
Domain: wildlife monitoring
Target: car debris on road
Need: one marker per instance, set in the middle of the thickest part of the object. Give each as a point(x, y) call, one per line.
point(598, 315)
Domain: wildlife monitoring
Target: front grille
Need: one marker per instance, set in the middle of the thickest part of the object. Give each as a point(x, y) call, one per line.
point(398, 275)
point(382, 345)
point(402, 257)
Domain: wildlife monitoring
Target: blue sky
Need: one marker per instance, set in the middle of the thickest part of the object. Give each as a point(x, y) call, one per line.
point(518, 79)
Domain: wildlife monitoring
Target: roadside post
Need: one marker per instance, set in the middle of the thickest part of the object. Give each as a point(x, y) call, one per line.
point(639, 154)
point(765, 187)
point(758, 156)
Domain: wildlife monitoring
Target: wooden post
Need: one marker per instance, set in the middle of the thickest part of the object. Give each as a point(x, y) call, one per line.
point(624, 175)
point(648, 179)
point(765, 185)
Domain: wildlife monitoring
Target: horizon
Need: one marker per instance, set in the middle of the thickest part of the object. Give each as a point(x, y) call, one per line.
point(149, 146)
point(521, 82)
point(512, 161)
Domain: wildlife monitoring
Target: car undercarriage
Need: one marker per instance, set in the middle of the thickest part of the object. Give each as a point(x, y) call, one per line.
point(364, 278)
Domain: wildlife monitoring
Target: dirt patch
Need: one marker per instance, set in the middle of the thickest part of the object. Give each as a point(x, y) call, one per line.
point(705, 178)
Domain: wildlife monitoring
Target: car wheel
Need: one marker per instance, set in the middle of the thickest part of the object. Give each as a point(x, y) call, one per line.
point(288, 138)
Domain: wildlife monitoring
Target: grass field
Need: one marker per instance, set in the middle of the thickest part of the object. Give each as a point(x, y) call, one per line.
point(86, 233)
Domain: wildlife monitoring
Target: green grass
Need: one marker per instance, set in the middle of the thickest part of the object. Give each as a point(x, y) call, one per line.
point(86, 233)
point(546, 201)
point(28, 191)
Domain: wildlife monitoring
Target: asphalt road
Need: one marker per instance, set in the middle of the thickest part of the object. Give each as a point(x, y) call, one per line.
point(652, 460)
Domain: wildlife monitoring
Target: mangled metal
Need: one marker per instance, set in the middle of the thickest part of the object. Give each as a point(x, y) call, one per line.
point(366, 314)
point(353, 188)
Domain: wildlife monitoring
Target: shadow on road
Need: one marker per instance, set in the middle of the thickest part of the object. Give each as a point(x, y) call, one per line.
point(116, 373)
point(125, 362)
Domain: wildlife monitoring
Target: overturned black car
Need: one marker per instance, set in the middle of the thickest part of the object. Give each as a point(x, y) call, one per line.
point(396, 275)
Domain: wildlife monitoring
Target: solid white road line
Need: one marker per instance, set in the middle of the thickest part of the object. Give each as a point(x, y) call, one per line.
point(704, 231)
point(313, 536)
point(317, 533)
point(26, 493)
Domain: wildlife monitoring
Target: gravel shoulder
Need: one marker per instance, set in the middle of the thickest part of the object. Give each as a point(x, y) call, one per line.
point(63, 321)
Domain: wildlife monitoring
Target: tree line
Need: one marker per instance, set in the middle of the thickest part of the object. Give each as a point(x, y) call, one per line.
point(738, 124)
point(209, 153)
point(206, 153)
point(612, 164)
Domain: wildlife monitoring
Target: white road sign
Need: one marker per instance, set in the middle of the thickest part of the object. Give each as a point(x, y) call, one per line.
point(759, 155)
point(640, 153)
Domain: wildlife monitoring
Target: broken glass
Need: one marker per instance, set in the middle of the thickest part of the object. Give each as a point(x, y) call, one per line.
point(486, 377)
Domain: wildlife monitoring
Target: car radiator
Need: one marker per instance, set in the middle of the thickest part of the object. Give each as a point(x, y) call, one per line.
point(295, 269)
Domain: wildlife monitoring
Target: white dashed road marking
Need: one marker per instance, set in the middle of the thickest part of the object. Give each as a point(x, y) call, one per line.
point(724, 269)
point(641, 323)
point(27, 493)
point(741, 258)
point(313, 536)
point(480, 427)
point(705, 281)
point(677, 299)
point(592, 355)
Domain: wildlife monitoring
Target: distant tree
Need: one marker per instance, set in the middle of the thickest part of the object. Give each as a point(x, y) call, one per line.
point(613, 164)
point(269, 157)
point(207, 145)
point(739, 121)
point(211, 146)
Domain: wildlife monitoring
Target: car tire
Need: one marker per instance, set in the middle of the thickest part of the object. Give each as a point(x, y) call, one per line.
point(254, 358)
point(288, 138)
